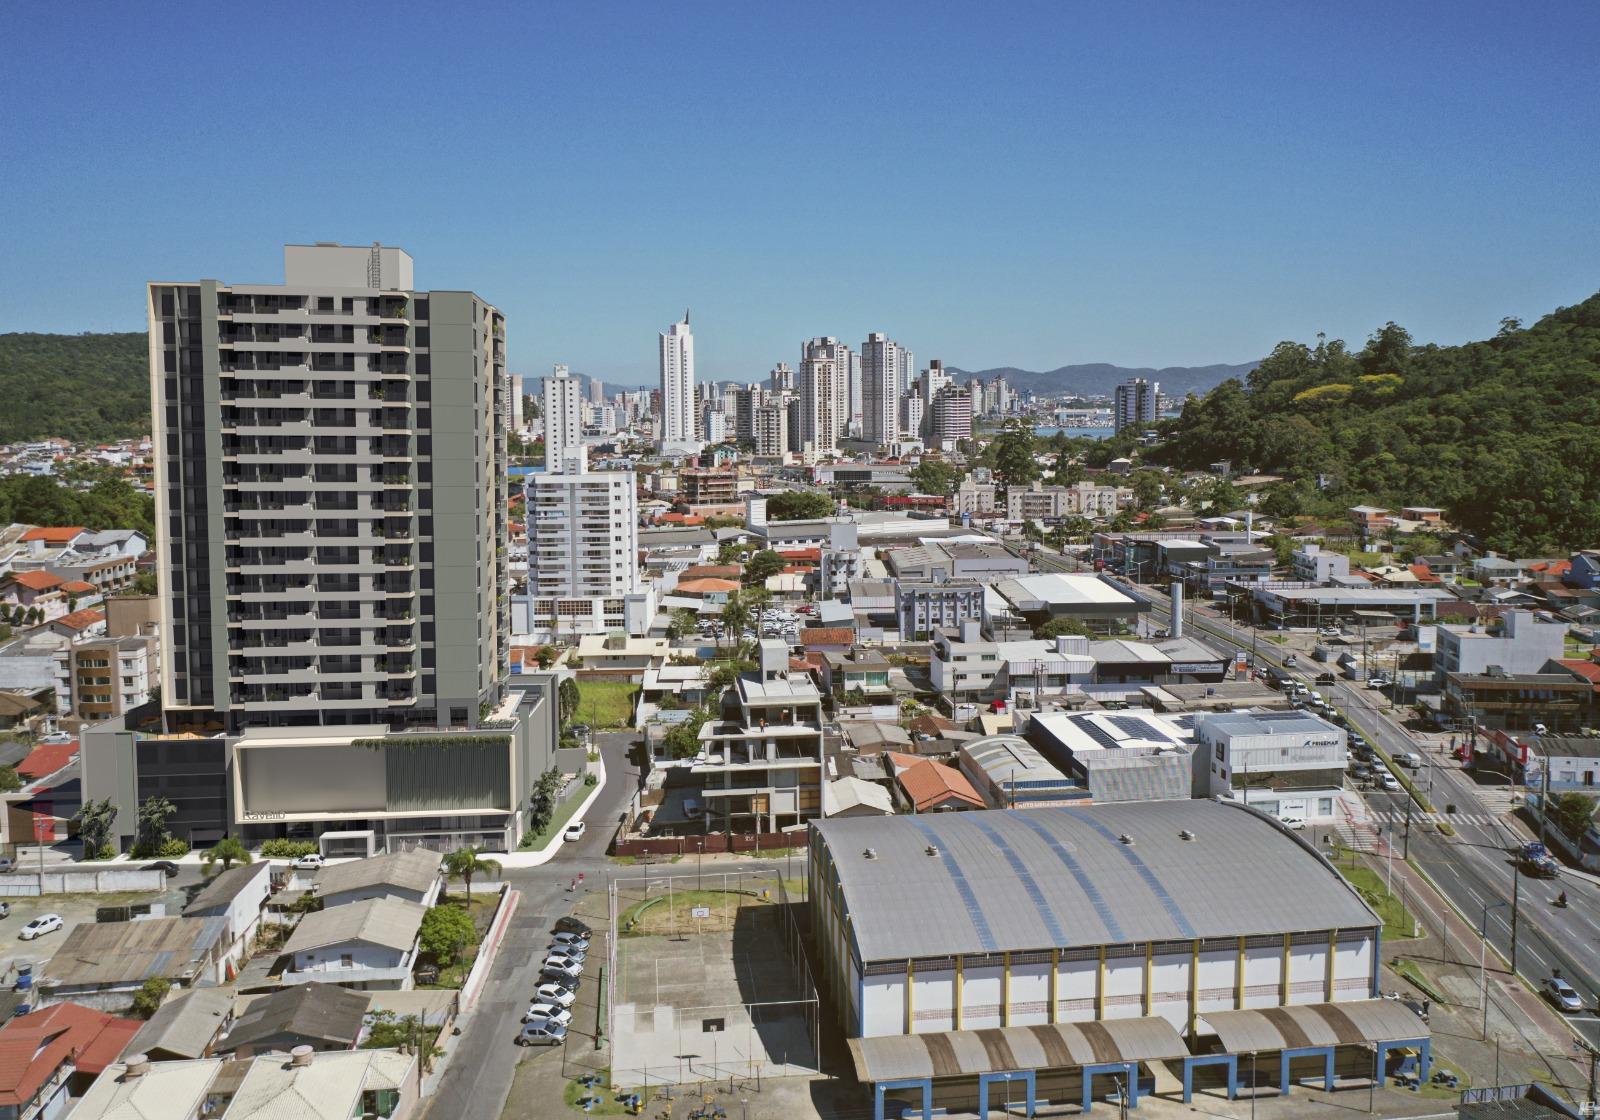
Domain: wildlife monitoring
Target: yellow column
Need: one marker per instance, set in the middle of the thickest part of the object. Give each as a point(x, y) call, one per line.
point(1005, 992)
point(1055, 984)
point(956, 1008)
point(1333, 955)
point(1238, 979)
point(1149, 972)
point(911, 979)
point(1283, 986)
point(1100, 987)
point(1194, 986)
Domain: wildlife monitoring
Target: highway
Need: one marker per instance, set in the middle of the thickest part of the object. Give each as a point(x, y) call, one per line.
point(1473, 869)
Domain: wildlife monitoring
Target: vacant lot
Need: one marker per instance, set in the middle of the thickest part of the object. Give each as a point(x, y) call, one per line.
point(603, 704)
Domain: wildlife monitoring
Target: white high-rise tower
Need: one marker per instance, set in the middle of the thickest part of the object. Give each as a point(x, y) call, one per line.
point(563, 420)
point(677, 389)
point(880, 389)
point(824, 384)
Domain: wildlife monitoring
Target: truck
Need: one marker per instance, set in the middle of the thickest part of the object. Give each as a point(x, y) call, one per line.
point(1536, 861)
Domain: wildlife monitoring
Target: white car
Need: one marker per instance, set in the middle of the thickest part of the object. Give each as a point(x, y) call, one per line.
point(558, 959)
point(575, 953)
point(1295, 823)
point(1389, 782)
point(38, 927)
point(547, 1013)
point(557, 994)
point(574, 831)
point(570, 940)
point(308, 863)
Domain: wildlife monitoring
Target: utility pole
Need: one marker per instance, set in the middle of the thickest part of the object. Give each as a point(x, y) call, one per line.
point(1516, 891)
point(1405, 850)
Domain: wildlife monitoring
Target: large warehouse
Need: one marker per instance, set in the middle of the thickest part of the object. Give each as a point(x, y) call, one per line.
point(963, 926)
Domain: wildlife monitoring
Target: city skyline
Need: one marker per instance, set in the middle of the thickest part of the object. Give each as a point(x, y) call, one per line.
point(1083, 212)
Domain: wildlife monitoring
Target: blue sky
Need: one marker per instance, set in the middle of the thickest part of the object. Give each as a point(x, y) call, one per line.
point(992, 184)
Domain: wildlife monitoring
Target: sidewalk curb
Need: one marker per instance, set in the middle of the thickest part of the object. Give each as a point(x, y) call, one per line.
point(478, 979)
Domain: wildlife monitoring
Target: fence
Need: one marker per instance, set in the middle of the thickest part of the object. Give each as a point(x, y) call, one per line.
point(711, 843)
point(20, 884)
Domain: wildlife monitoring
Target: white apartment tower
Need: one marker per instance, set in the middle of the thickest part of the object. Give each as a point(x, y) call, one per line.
point(1137, 402)
point(563, 419)
point(677, 389)
point(933, 379)
point(824, 394)
point(770, 429)
point(781, 379)
point(881, 376)
point(583, 553)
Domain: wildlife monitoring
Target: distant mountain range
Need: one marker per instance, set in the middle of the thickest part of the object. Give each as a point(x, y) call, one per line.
point(1097, 379)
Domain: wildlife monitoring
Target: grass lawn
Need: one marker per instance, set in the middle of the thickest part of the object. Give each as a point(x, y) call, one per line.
point(482, 908)
point(1413, 972)
point(1398, 924)
point(652, 916)
point(603, 704)
point(559, 819)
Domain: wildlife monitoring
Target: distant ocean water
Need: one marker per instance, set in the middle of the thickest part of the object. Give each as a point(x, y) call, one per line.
point(1079, 433)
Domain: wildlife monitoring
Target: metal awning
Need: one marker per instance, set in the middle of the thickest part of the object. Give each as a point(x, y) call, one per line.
point(1004, 1049)
point(1352, 1023)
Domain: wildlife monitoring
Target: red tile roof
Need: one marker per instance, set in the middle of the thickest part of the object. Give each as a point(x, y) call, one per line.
point(707, 586)
point(801, 554)
point(80, 620)
point(63, 535)
point(78, 587)
point(46, 759)
point(827, 636)
point(930, 784)
point(1588, 670)
point(36, 581)
point(33, 1047)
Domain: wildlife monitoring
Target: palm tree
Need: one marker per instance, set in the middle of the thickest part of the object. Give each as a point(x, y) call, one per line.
point(464, 863)
point(735, 616)
point(230, 850)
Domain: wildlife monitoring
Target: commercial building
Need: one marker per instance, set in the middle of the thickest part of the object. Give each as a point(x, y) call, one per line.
point(1136, 403)
point(1562, 701)
point(979, 559)
point(1523, 643)
point(677, 390)
point(563, 419)
point(923, 606)
point(1050, 946)
point(583, 554)
point(1011, 774)
point(1096, 601)
point(1297, 605)
point(1122, 756)
point(1286, 764)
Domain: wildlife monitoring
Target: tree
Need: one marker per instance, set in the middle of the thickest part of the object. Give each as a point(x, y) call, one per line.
point(1571, 813)
point(1054, 628)
point(798, 505)
point(761, 566)
point(934, 476)
point(544, 657)
point(542, 801)
point(464, 863)
point(152, 834)
point(388, 1031)
point(445, 932)
point(9, 782)
point(1147, 489)
point(682, 740)
point(735, 616)
point(568, 697)
point(95, 820)
point(682, 623)
point(1013, 451)
point(148, 999)
point(230, 850)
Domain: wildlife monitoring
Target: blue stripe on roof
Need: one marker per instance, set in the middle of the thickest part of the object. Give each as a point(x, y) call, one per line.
point(1085, 883)
point(1147, 875)
point(979, 923)
point(1021, 868)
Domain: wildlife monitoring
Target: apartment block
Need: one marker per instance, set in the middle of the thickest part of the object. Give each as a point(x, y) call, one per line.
point(1136, 402)
point(770, 429)
point(563, 419)
point(583, 554)
point(102, 678)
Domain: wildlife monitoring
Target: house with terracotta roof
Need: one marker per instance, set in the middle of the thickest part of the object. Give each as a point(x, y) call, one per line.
point(44, 538)
point(51, 1057)
point(713, 592)
point(924, 785)
point(710, 571)
point(86, 623)
point(30, 588)
point(827, 639)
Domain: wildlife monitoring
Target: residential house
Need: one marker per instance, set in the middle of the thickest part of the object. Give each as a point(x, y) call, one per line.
point(854, 797)
point(238, 897)
point(410, 874)
point(51, 1057)
point(79, 625)
point(827, 639)
point(322, 1016)
point(104, 963)
point(924, 785)
point(363, 945)
point(857, 670)
point(186, 1026)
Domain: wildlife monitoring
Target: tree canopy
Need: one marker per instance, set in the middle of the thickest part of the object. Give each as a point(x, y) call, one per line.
point(798, 505)
point(81, 387)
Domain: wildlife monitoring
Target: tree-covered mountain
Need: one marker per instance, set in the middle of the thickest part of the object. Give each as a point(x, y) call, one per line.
point(1503, 434)
point(85, 387)
point(1098, 379)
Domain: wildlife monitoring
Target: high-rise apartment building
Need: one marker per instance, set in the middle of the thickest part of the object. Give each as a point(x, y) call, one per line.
point(929, 383)
point(770, 429)
point(597, 391)
point(518, 389)
point(1137, 401)
point(952, 416)
point(881, 367)
point(563, 419)
point(330, 486)
point(677, 390)
point(824, 394)
point(583, 554)
point(781, 379)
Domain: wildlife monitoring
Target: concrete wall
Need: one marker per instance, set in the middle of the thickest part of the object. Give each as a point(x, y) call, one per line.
point(123, 877)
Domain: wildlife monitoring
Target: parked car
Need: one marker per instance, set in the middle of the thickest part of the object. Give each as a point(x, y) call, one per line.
point(1328, 632)
point(571, 925)
point(542, 1034)
point(557, 957)
point(574, 831)
point(547, 1013)
point(1389, 782)
point(7, 865)
point(579, 941)
point(1296, 823)
point(557, 994)
point(1326, 678)
point(5, 909)
point(576, 953)
point(561, 971)
point(1562, 994)
point(1361, 772)
point(308, 863)
point(39, 926)
point(1291, 661)
point(1377, 680)
point(165, 866)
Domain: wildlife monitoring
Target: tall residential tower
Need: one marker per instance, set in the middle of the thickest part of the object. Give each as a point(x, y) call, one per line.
point(677, 389)
point(563, 419)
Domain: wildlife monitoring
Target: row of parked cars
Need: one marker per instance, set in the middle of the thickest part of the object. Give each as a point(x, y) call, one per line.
point(549, 1013)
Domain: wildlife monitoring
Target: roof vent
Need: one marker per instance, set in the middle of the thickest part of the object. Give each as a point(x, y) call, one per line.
point(1186, 835)
point(870, 853)
point(1125, 839)
point(301, 1056)
point(932, 849)
point(138, 1066)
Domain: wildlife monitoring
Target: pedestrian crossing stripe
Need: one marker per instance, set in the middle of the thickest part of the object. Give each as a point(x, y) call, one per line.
point(1393, 817)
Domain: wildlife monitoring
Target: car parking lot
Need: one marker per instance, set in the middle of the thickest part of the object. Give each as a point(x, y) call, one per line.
point(75, 909)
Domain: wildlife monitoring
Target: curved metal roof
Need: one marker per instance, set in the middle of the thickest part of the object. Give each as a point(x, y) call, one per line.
point(1002, 1049)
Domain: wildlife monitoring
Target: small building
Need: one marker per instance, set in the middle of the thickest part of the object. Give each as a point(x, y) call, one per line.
point(237, 897)
point(1123, 756)
point(1285, 764)
point(927, 786)
point(411, 875)
point(1011, 774)
point(103, 963)
point(856, 670)
point(186, 1026)
point(854, 797)
point(1522, 644)
point(52, 1056)
point(361, 945)
point(321, 1016)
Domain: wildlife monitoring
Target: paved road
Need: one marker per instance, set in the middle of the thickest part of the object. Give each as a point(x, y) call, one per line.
point(1473, 869)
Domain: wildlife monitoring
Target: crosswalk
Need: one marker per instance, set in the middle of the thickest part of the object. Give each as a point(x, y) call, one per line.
point(1388, 817)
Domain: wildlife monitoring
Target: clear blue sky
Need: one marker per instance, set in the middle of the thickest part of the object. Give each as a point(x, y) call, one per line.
point(992, 184)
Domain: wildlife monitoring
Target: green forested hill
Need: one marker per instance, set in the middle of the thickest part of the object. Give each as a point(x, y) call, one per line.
point(1503, 434)
point(77, 386)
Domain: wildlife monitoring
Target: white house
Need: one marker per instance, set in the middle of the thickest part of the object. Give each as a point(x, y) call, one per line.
point(411, 875)
point(238, 896)
point(369, 945)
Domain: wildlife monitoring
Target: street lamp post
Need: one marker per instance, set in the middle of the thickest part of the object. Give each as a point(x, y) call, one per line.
point(1483, 959)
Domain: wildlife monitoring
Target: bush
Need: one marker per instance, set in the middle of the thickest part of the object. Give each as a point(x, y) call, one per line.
point(147, 1000)
point(591, 779)
point(445, 932)
point(173, 849)
point(107, 851)
point(288, 849)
